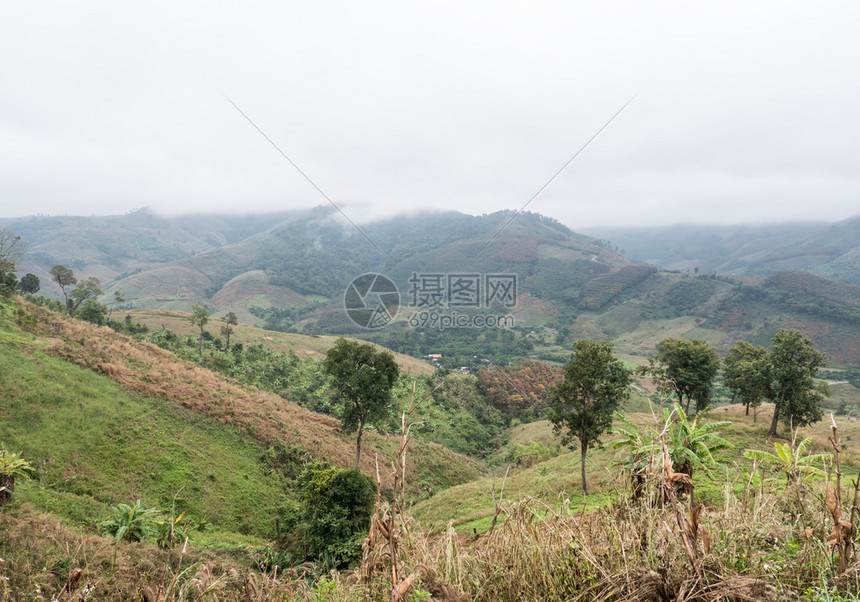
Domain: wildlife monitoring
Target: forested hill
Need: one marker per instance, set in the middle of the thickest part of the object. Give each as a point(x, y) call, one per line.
point(827, 249)
point(307, 261)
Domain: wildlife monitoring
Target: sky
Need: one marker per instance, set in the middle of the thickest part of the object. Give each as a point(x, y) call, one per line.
point(741, 112)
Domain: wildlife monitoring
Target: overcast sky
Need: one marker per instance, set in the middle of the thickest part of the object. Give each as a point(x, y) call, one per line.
point(743, 111)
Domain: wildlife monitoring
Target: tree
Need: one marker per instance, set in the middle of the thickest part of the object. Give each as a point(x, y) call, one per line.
point(230, 320)
point(11, 250)
point(117, 299)
point(64, 277)
point(29, 284)
point(88, 288)
point(200, 318)
point(363, 377)
point(10, 284)
point(594, 384)
point(792, 365)
point(745, 374)
point(687, 369)
point(92, 311)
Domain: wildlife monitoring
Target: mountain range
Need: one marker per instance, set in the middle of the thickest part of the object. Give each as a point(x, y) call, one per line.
point(831, 250)
point(291, 270)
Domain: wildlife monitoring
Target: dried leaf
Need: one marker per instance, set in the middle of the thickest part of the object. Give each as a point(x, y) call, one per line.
point(680, 477)
point(707, 542)
point(833, 503)
point(400, 590)
point(695, 513)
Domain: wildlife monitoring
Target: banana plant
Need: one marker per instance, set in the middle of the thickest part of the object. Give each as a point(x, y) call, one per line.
point(636, 445)
point(12, 466)
point(130, 523)
point(792, 460)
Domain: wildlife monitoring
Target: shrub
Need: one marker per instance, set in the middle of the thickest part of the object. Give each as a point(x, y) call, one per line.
point(338, 504)
point(533, 453)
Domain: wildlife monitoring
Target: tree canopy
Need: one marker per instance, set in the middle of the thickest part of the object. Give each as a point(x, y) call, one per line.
point(11, 250)
point(29, 284)
point(200, 318)
point(745, 373)
point(594, 385)
point(64, 277)
point(793, 364)
point(363, 377)
point(88, 288)
point(337, 508)
point(230, 320)
point(687, 369)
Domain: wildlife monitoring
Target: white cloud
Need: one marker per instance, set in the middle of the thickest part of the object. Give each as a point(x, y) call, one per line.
point(744, 110)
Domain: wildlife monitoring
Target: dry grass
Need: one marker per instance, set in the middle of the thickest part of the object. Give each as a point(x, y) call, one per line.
point(750, 548)
point(42, 560)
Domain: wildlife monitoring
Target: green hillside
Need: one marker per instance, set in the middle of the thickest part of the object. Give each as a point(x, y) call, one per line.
point(107, 419)
point(97, 444)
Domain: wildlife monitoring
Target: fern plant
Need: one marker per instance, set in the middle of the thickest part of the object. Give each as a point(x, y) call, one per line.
point(130, 523)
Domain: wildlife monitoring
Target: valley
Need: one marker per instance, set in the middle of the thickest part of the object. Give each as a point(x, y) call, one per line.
point(235, 427)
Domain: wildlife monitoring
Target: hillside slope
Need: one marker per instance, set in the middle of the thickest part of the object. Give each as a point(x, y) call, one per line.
point(306, 346)
point(108, 418)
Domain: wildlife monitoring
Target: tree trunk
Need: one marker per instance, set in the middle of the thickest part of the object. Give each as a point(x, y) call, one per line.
point(775, 422)
point(7, 482)
point(584, 449)
point(358, 444)
point(754, 413)
point(748, 409)
point(201, 342)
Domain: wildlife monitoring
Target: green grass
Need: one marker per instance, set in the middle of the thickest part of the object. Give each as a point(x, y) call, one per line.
point(470, 506)
point(96, 444)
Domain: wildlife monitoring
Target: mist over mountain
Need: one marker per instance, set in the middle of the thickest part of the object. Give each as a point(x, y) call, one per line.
point(828, 249)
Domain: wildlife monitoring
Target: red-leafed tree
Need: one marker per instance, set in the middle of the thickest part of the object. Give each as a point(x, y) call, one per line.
point(520, 391)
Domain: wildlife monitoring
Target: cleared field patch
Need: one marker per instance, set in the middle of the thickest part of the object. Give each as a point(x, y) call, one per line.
point(309, 346)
